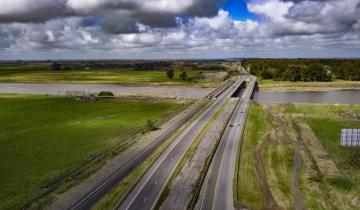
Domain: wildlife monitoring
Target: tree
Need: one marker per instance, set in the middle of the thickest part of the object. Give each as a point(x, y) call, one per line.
point(183, 75)
point(170, 73)
point(149, 126)
point(55, 66)
point(199, 76)
point(266, 74)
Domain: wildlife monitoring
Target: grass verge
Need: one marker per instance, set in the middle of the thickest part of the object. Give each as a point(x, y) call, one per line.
point(256, 128)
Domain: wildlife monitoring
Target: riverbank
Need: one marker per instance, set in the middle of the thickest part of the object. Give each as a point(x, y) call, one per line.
point(271, 85)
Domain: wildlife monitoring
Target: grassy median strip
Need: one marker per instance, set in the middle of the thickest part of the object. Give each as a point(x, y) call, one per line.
point(119, 193)
point(189, 153)
point(42, 137)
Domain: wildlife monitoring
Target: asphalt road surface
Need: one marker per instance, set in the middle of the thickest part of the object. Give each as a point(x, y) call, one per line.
point(94, 192)
point(218, 185)
point(147, 191)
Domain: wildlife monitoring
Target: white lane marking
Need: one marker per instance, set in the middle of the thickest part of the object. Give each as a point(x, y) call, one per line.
point(175, 143)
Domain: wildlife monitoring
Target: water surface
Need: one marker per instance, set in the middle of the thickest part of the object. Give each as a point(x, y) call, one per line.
point(75, 89)
point(316, 97)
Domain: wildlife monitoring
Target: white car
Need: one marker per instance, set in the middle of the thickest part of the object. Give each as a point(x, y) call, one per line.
point(238, 123)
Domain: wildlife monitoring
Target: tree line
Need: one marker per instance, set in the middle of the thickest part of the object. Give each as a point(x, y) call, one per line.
point(304, 69)
point(155, 65)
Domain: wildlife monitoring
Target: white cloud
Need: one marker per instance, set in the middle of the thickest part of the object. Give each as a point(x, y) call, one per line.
point(174, 6)
point(82, 6)
point(275, 10)
point(115, 27)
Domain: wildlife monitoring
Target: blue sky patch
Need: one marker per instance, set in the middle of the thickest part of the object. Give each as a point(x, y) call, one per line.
point(237, 9)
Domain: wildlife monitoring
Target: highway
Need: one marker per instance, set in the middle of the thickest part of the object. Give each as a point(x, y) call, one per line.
point(217, 189)
point(86, 198)
point(147, 191)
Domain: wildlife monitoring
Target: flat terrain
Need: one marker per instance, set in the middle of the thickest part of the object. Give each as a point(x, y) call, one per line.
point(119, 90)
point(290, 158)
point(307, 86)
point(44, 74)
point(249, 187)
point(42, 137)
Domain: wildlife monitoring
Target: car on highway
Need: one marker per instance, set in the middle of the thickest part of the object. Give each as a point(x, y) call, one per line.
point(231, 125)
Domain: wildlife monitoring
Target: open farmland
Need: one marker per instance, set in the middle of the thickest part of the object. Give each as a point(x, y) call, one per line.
point(292, 158)
point(44, 74)
point(42, 137)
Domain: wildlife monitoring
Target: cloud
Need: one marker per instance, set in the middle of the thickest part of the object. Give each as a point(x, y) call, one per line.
point(308, 17)
point(157, 13)
point(186, 27)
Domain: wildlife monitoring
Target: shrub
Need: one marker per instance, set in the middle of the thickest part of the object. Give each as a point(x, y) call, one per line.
point(183, 75)
point(106, 93)
point(199, 76)
point(149, 126)
point(56, 66)
point(170, 73)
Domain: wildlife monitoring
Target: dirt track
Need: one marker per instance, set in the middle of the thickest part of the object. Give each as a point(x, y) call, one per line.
point(268, 202)
point(299, 204)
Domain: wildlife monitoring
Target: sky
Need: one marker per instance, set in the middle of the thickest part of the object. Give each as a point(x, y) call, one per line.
point(178, 29)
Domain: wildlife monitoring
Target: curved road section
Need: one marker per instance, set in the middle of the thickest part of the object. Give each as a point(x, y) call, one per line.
point(147, 191)
point(217, 191)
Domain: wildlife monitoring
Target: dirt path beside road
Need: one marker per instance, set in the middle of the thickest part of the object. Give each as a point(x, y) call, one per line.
point(299, 204)
point(268, 201)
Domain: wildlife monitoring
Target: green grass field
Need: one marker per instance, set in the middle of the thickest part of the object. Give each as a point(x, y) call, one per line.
point(277, 124)
point(307, 86)
point(321, 191)
point(249, 188)
point(41, 137)
point(44, 74)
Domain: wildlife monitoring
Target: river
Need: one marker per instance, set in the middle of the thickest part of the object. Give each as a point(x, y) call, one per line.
point(312, 97)
point(76, 89)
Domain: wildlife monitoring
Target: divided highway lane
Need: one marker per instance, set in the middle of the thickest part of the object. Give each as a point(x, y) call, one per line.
point(147, 191)
point(217, 192)
point(95, 191)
